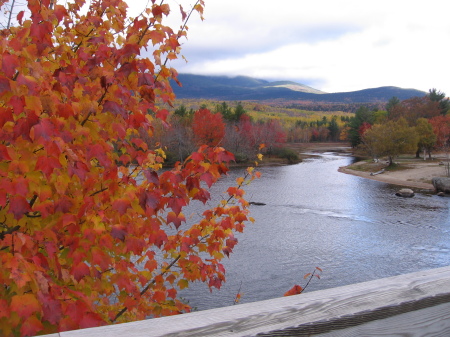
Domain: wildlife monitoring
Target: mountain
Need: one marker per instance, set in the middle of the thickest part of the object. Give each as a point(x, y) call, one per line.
point(242, 88)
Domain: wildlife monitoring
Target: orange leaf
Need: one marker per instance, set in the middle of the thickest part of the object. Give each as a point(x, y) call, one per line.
point(31, 326)
point(295, 290)
point(25, 305)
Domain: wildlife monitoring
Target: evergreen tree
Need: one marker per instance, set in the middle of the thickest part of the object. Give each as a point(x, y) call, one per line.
point(362, 115)
point(440, 97)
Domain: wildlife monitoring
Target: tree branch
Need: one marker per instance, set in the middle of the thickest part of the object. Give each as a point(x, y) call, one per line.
point(147, 287)
point(9, 231)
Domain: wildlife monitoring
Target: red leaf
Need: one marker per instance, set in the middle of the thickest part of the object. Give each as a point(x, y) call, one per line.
point(60, 12)
point(226, 156)
point(97, 151)
point(114, 108)
point(5, 116)
point(20, 16)
point(130, 50)
point(18, 205)
point(25, 305)
point(90, 320)
point(51, 308)
point(207, 178)
point(4, 309)
point(172, 293)
point(148, 201)
point(118, 232)
point(63, 205)
point(295, 290)
point(177, 204)
point(4, 155)
point(176, 219)
point(159, 296)
point(183, 13)
point(47, 165)
point(42, 33)
point(162, 114)
point(17, 104)
point(80, 271)
point(80, 169)
point(121, 205)
point(4, 85)
point(157, 10)
point(9, 64)
point(44, 129)
point(24, 125)
point(152, 176)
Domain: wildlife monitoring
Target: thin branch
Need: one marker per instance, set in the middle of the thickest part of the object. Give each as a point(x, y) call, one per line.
point(148, 286)
point(10, 14)
point(99, 191)
point(183, 27)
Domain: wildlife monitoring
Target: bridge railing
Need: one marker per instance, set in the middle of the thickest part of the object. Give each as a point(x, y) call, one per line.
point(415, 304)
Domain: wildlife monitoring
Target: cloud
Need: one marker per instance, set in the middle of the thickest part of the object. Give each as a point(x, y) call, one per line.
point(331, 45)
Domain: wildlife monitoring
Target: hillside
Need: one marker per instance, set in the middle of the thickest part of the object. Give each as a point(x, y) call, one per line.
point(242, 88)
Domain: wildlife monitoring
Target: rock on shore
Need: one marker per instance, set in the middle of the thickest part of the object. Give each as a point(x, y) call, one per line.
point(441, 184)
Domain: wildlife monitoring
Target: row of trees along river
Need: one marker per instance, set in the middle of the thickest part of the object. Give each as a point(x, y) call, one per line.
point(413, 125)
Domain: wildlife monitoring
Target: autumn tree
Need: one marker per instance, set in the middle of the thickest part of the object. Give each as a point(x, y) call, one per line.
point(208, 127)
point(271, 134)
point(414, 108)
point(441, 127)
point(427, 138)
point(91, 231)
point(391, 139)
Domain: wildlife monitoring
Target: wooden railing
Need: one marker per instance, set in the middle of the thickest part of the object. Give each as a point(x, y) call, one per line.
point(416, 304)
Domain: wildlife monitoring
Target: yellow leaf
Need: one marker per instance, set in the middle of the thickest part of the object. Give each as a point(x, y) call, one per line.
point(183, 283)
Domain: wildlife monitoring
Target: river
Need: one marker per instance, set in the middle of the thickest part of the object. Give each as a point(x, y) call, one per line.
point(354, 229)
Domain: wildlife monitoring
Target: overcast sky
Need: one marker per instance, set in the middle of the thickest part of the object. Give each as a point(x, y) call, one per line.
point(331, 45)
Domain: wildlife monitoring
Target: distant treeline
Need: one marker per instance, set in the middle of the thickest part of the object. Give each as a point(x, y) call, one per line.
point(330, 107)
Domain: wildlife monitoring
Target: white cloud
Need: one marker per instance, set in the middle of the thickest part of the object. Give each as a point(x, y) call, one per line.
point(332, 45)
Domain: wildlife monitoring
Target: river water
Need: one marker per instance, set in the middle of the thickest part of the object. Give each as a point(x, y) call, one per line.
point(354, 229)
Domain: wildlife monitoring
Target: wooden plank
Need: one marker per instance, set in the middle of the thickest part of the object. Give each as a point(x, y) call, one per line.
point(432, 321)
point(332, 310)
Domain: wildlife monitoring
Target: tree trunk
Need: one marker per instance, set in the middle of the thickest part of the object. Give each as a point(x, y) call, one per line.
point(390, 161)
point(418, 152)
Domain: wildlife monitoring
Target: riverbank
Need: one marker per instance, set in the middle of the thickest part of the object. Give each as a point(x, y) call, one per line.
point(414, 174)
point(409, 171)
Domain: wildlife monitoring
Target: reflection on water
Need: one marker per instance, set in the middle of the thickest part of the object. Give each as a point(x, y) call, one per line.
point(354, 229)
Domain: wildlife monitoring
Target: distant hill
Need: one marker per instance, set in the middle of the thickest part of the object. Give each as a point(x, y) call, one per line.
point(247, 88)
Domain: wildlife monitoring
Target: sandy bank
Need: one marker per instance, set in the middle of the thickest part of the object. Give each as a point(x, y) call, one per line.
point(415, 176)
point(413, 173)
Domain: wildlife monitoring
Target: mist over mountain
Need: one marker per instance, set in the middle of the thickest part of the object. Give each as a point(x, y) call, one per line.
point(242, 88)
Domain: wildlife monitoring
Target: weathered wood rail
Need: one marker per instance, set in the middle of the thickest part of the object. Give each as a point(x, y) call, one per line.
point(416, 304)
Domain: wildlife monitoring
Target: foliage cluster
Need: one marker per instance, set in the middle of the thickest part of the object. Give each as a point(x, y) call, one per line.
point(92, 231)
point(299, 126)
point(230, 127)
point(413, 125)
